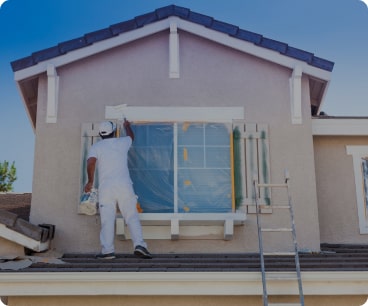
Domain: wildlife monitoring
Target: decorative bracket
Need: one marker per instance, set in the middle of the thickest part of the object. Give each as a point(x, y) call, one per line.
point(296, 95)
point(174, 51)
point(52, 94)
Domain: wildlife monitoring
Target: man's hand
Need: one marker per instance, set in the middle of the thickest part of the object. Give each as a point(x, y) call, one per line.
point(88, 187)
point(128, 129)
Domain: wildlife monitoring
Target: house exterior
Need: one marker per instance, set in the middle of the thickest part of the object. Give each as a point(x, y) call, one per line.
point(213, 107)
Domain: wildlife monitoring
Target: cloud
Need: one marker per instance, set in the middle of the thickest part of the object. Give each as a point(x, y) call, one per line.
point(364, 1)
point(2, 2)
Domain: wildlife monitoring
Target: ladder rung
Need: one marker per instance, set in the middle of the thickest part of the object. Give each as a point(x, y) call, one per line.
point(276, 229)
point(272, 185)
point(280, 206)
point(279, 253)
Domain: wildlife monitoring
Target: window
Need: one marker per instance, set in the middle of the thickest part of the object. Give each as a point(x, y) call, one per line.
point(182, 167)
point(360, 163)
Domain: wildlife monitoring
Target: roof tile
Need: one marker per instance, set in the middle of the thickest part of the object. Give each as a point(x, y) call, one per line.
point(142, 20)
point(249, 36)
point(273, 45)
point(299, 54)
point(22, 63)
point(72, 44)
point(122, 27)
point(200, 19)
point(46, 54)
point(172, 10)
point(98, 35)
point(224, 27)
point(322, 63)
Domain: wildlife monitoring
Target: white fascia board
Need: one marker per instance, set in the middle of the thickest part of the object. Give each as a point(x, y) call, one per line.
point(340, 127)
point(199, 30)
point(95, 48)
point(252, 49)
point(179, 283)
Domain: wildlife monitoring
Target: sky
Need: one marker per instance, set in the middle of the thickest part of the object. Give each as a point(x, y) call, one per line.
point(336, 30)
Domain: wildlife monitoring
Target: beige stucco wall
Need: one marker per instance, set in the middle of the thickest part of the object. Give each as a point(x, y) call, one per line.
point(338, 214)
point(138, 74)
point(181, 300)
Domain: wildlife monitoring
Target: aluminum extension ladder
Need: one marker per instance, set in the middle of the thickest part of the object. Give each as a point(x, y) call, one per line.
point(291, 230)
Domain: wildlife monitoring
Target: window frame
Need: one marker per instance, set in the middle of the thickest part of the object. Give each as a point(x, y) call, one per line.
point(359, 153)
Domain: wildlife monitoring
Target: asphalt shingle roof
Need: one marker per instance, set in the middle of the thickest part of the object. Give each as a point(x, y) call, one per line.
point(331, 258)
point(162, 13)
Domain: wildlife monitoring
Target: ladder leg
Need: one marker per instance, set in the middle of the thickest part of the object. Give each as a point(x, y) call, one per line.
point(260, 245)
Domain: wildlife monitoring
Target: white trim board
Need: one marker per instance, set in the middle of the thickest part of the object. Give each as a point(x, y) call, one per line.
point(179, 283)
point(340, 127)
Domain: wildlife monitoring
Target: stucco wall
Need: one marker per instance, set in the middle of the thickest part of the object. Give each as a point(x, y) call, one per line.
point(138, 74)
point(338, 214)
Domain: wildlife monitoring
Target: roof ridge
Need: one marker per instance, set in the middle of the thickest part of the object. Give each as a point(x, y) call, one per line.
point(160, 14)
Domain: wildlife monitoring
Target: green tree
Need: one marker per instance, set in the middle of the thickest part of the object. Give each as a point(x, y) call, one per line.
point(8, 174)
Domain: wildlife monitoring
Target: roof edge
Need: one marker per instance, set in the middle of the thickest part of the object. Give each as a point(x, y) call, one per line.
point(163, 13)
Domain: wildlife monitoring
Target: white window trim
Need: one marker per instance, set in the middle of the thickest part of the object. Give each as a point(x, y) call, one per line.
point(358, 152)
point(206, 222)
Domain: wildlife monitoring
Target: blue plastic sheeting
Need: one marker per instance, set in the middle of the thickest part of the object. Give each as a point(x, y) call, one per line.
point(202, 167)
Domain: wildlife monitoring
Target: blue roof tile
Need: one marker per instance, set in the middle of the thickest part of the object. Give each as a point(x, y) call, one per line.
point(46, 54)
point(249, 36)
point(123, 27)
point(299, 54)
point(322, 63)
point(224, 27)
point(273, 45)
point(165, 12)
point(98, 35)
point(72, 44)
point(200, 19)
point(22, 63)
point(172, 10)
point(148, 18)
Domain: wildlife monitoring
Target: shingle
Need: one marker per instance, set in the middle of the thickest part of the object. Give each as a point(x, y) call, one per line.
point(331, 258)
point(224, 27)
point(72, 44)
point(98, 35)
point(146, 19)
point(122, 27)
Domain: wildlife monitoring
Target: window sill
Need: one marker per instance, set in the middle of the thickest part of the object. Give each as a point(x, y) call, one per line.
point(176, 226)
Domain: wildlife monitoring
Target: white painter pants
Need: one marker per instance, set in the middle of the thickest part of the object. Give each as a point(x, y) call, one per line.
point(123, 194)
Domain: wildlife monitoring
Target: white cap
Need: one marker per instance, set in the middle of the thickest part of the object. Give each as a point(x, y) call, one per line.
point(106, 128)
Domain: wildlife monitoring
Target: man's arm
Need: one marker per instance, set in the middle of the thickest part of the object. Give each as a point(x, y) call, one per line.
point(91, 166)
point(128, 129)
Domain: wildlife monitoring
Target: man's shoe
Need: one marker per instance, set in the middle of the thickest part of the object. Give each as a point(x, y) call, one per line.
point(105, 256)
point(142, 252)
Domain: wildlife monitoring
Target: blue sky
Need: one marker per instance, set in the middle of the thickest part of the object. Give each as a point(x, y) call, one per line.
point(336, 30)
